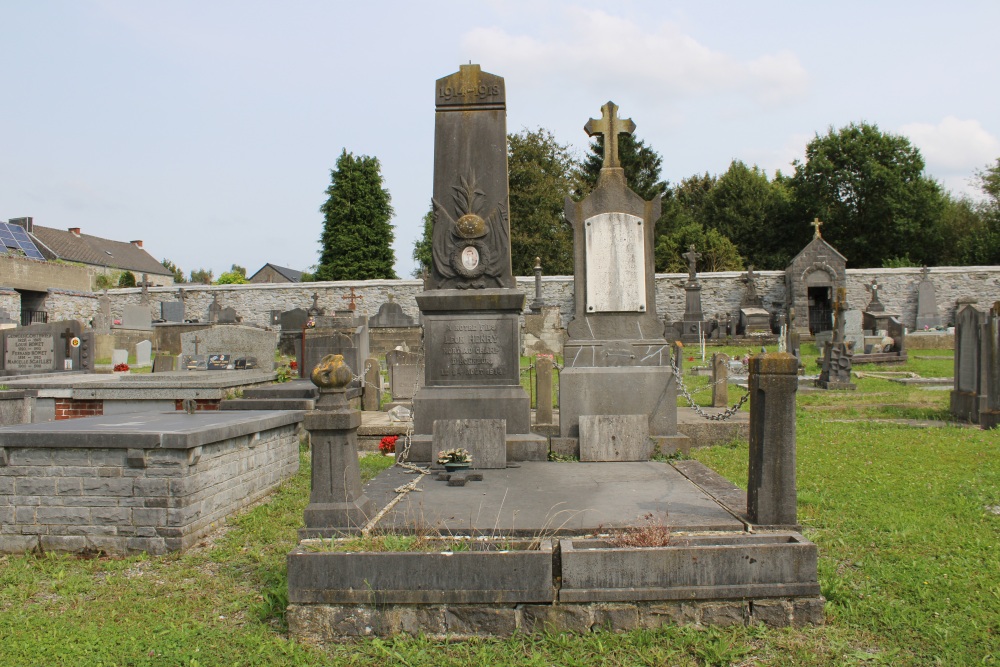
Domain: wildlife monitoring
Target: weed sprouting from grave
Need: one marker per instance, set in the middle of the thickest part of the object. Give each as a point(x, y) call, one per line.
point(653, 531)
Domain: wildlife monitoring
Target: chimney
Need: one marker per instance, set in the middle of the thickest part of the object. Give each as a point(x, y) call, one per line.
point(26, 223)
point(137, 244)
point(75, 231)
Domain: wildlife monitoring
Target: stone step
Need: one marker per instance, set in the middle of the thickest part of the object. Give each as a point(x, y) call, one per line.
point(268, 404)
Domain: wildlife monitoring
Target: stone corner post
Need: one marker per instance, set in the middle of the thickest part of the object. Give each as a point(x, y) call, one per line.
point(771, 491)
point(336, 502)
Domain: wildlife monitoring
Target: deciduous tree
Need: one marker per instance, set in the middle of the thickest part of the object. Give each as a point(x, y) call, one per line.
point(870, 190)
point(541, 175)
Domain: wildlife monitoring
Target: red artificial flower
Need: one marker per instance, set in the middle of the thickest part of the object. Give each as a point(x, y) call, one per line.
point(388, 444)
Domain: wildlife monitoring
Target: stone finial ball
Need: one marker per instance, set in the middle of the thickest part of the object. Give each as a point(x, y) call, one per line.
point(332, 373)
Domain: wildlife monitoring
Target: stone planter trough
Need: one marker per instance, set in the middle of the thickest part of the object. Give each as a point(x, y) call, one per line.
point(518, 575)
point(692, 567)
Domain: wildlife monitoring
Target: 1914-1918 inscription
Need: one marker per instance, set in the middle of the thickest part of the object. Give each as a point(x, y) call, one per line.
point(29, 352)
point(473, 350)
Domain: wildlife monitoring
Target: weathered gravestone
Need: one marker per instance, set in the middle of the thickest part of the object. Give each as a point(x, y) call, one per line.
point(172, 311)
point(292, 322)
point(372, 395)
point(228, 316)
point(485, 439)
point(390, 314)
point(615, 438)
point(720, 380)
point(854, 334)
point(470, 307)
point(233, 340)
point(406, 374)
point(102, 318)
point(46, 348)
point(143, 353)
point(692, 324)
point(966, 392)
point(615, 340)
point(119, 357)
point(543, 389)
point(137, 317)
point(927, 313)
point(989, 369)
point(164, 363)
point(214, 309)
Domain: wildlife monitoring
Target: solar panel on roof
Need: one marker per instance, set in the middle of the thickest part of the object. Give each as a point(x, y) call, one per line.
point(16, 238)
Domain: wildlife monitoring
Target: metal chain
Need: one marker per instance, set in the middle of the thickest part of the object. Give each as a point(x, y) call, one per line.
point(722, 416)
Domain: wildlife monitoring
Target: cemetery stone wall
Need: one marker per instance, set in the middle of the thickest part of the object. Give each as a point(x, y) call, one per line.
point(721, 293)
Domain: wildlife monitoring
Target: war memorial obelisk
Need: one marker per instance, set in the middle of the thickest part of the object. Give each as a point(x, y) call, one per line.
point(470, 308)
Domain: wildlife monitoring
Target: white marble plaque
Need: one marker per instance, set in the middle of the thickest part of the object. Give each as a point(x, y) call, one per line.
point(616, 263)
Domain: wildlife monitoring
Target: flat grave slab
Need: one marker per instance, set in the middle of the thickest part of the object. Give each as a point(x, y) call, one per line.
point(545, 497)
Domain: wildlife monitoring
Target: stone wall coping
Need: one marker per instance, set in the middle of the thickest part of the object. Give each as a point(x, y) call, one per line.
point(190, 380)
point(147, 430)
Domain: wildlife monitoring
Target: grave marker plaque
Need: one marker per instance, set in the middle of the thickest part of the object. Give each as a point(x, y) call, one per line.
point(29, 352)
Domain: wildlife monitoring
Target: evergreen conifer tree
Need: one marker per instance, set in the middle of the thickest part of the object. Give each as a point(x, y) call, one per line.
point(356, 243)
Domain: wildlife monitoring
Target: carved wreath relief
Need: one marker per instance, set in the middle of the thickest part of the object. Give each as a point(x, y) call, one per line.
point(466, 245)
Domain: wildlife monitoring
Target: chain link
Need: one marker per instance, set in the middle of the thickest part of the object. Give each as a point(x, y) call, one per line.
point(722, 416)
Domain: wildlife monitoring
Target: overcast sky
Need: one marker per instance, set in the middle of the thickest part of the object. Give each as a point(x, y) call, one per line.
point(208, 129)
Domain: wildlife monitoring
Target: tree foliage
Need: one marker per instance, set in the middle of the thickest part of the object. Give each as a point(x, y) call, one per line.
point(126, 279)
point(541, 174)
point(237, 275)
point(423, 250)
point(869, 189)
point(202, 276)
point(174, 269)
point(356, 243)
point(641, 164)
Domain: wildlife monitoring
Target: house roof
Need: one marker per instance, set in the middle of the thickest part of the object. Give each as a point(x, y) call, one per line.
point(87, 249)
point(292, 275)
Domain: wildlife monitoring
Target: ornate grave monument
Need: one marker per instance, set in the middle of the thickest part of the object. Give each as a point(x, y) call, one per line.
point(617, 362)
point(469, 307)
point(754, 318)
point(836, 373)
point(693, 321)
point(811, 279)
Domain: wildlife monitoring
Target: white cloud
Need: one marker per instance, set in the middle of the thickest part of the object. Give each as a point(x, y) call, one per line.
point(953, 145)
point(594, 48)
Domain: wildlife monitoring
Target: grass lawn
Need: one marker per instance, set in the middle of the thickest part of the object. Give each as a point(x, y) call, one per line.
point(905, 518)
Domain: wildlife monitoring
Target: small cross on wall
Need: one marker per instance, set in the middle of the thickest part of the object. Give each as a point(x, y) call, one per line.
point(352, 297)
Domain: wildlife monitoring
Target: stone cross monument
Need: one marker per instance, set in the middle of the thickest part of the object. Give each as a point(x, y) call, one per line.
point(615, 339)
point(469, 306)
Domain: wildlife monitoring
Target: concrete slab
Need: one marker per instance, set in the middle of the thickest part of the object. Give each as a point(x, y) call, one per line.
point(541, 498)
point(146, 430)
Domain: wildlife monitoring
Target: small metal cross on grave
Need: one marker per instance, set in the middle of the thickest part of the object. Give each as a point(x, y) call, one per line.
point(68, 337)
point(610, 126)
point(196, 340)
point(352, 297)
point(816, 224)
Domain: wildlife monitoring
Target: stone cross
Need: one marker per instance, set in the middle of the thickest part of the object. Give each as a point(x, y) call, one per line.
point(692, 257)
point(750, 280)
point(196, 340)
point(67, 336)
point(816, 224)
point(610, 126)
point(315, 309)
point(144, 298)
point(839, 308)
point(352, 297)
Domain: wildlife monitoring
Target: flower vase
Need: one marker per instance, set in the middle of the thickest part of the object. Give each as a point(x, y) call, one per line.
point(455, 466)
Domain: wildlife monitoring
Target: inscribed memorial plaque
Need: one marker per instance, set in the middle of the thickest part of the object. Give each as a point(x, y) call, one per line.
point(472, 350)
point(616, 263)
point(29, 352)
